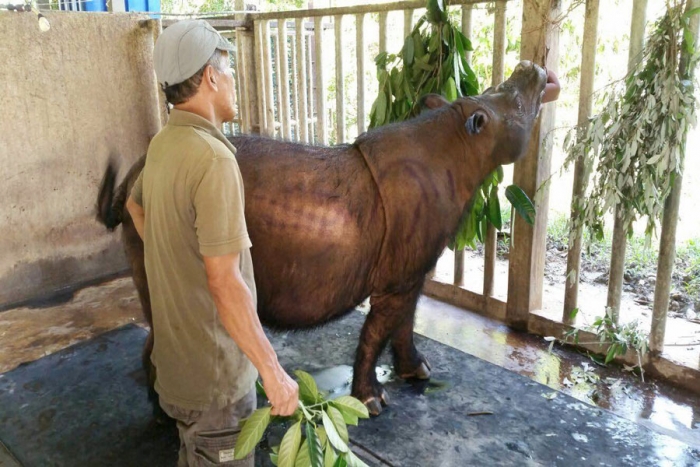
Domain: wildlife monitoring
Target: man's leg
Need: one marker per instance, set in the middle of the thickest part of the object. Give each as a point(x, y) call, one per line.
point(208, 438)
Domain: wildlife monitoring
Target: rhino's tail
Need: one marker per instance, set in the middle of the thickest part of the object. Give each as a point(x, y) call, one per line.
point(109, 212)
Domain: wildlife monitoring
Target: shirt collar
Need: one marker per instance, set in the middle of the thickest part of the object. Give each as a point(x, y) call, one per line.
point(184, 118)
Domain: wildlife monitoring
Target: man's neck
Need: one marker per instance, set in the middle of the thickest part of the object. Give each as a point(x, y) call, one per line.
point(202, 109)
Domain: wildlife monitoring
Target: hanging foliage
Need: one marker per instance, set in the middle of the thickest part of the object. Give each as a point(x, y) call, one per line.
point(636, 145)
point(432, 60)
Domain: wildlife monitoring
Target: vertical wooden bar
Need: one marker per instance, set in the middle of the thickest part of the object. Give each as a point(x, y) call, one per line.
point(667, 244)
point(382, 30)
point(260, 75)
point(619, 240)
point(321, 130)
point(585, 103)
point(245, 49)
point(497, 72)
point(310, 83)
point(278, 78)
point(270, 123)
point(360, 49)
point(407, 22)
point(526, 261)
point(302, 111)
point(283, 70)
point(294, 105)
point(467, 27)
point(339, 82)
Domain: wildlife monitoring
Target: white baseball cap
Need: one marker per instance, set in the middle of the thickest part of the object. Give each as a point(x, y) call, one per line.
point(183, 49)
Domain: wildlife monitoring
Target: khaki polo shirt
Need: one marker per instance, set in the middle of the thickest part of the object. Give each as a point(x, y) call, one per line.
point(191, 191)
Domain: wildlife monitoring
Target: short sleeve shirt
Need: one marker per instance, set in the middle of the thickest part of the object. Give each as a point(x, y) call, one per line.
point(191, 191)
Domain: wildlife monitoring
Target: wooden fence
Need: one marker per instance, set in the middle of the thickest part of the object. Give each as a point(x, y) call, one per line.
point(282, 85)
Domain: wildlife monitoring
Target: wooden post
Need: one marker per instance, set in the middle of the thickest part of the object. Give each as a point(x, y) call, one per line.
point(382, 30)
point(497, 76)
point(321, 130)
point(360, 50)
point(302, 109)
point(667, 244)
point(407, 22)
point(619, 240)
point(245, 52)
point(585, 103)
point(270, 123)
point(283, 72)
point(526, 265)
point(467, 27)
point(258, 27)
point(339, 82)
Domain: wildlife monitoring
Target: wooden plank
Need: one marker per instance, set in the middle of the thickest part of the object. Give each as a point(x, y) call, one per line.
point(459, 268)
point(321, 130)
point(283, 70)
point(294, 105)
point(260, 77)
point(585, 103)
point(245, 60)
point(463, 298)
point(526, 261)
point(497, 76)
point(270, 122)
point(218, 24)
point(339, 82)
point(467, 28)
point(619, 239)
point(310, 97)
point(302, 108)
point(407, 22)
point(352, 10)
point(667, 243)
point(383, 16)
point(360, 51)
point(277, 70)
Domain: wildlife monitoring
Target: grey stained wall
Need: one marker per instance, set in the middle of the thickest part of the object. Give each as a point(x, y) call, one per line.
point(69, 98)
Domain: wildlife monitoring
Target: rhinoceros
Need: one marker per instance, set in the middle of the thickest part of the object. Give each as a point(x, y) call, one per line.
point(331, 226)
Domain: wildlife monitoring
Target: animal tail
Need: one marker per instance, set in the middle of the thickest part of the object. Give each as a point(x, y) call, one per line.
point(108, 212)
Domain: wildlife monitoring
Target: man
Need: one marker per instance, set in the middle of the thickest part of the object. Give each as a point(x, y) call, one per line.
point(188, 206)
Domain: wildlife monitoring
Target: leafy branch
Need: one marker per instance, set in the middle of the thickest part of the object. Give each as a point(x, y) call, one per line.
point(318, 436)
point(635, 146)
point(432, 60)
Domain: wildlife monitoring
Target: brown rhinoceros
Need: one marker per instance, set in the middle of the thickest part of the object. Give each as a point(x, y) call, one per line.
point(331, 226)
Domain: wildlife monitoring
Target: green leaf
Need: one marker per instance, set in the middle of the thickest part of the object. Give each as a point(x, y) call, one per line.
point(332, 433)
point(499, 173)
point(290, 446)
point(350, 419)
point(308, 391)
point(351, 405)
point(381, 109)
point(408, 51)
point(494, 206)
point(450, 90)
point(259, 389)
point(338, 422)
point(252, 432)
point(329, 456)
point(303, 459)
point(273, 458)
point(340, 462)
point(522, 203)
point(314, 446)
point(354, 461)
point(321, 434)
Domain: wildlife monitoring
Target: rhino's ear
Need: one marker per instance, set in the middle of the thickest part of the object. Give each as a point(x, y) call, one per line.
point(476, 122)
point(432, 101)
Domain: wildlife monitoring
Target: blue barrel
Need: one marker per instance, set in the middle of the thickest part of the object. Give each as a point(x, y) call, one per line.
point(152, 6)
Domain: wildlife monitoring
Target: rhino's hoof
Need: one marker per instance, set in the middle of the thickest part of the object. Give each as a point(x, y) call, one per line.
point(385, 397)
point(422, 372)
point(374, 407)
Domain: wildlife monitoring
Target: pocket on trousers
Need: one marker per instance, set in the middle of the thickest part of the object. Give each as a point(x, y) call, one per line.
point(217, 448)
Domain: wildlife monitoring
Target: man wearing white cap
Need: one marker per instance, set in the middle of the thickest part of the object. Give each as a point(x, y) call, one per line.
point(188, 206)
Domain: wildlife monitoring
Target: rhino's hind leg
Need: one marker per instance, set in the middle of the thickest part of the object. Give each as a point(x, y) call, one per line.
point(408, 362)
point(388, 312)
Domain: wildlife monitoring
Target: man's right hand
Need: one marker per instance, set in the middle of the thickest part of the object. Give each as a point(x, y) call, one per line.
point(282, 392)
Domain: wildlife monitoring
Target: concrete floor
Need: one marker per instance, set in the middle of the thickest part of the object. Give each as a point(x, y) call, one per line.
point(29, 333)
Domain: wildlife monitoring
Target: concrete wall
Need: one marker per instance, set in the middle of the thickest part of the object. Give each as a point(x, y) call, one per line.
point(69, 98)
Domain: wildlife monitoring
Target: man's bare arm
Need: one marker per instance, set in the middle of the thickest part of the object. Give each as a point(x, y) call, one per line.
point(237, 312)
point(137, 215)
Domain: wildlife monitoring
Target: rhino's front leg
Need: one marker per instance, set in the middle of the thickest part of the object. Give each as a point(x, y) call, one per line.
point(387, 314)
point(408, 362)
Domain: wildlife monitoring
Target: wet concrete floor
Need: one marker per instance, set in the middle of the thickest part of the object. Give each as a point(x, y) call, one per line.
point(29, 333)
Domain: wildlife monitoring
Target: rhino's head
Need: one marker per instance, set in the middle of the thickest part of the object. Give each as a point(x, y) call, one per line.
point(499, 122)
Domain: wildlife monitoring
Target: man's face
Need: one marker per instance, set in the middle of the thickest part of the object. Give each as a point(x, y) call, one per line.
point(227, 91)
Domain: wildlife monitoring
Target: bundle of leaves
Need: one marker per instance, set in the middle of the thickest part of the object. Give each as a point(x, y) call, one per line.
point(635, 147)
point(318, 435)
point(432, 60)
